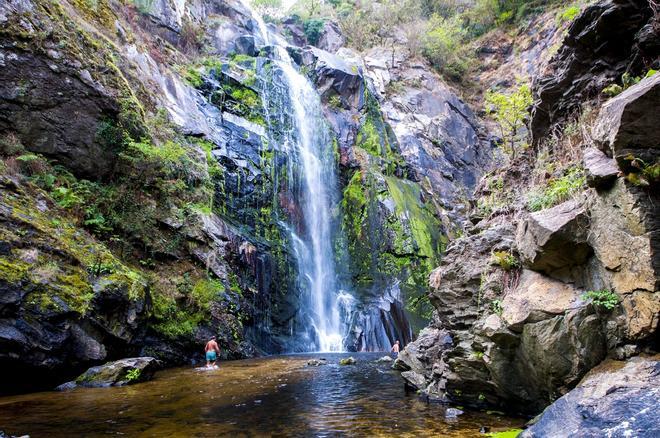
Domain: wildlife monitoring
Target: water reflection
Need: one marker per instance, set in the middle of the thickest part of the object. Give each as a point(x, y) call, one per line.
point(277, 396)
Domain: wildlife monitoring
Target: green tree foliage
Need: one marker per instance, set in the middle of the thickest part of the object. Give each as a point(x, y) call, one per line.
point(442, 45)
point(509, 112)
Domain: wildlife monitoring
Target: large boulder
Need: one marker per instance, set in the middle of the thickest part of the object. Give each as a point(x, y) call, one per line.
point(555, 240)
point(627, 125)
point(536, 298)
point(330, 38)
point(118, 373)
point(334, 76)
point(617, 399)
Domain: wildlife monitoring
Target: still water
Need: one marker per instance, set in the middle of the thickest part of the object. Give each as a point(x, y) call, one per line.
point(274, 396)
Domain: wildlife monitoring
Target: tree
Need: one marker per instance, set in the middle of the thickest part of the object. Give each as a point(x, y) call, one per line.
point(509, 112)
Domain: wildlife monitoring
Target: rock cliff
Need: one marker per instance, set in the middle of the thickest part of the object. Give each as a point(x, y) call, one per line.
point(533, 297)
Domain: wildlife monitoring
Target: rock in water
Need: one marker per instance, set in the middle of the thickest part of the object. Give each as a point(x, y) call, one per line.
point(453, 413)
point(614, 399)
point(385, 359)
point(347, 361)
point(316, 362)
point(118, 373)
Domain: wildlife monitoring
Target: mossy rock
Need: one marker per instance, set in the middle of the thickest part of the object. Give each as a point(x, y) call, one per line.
point(119, 373)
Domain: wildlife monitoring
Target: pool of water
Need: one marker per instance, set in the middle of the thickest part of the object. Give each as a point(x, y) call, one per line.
point(273, 396)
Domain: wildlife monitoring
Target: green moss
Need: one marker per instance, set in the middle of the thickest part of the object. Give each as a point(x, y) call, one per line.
point(423, 225)
point(194, 77)
point(12, 270)
point(98, 10)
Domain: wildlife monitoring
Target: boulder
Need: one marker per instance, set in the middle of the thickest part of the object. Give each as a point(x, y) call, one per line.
point(336, 77)
point(331, 38)
point(316, 362)
point(628, 123)
point(618, 399)
point(420, 355)
point(601, 169)
point(118, 373)
point(347, 361)
point(537, 298)
point(554, 354)
point(453, 413)
point(385, 359)
point(457, 282)
point(414, 380)
point(555, 239)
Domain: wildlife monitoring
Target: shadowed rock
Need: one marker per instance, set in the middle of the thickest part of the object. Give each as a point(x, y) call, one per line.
point(615, 399)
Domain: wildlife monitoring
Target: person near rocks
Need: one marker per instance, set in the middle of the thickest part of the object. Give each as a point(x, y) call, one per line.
point(212, 351)
point(395, 349)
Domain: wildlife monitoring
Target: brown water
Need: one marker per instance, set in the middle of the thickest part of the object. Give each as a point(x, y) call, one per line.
point(274, 396)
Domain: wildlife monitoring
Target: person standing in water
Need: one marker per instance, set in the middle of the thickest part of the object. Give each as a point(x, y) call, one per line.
point(395, 349)
point(212, 351)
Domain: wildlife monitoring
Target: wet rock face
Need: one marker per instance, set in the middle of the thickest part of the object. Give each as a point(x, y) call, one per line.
point(615, 398)
point(65, 125)
point(602, 43)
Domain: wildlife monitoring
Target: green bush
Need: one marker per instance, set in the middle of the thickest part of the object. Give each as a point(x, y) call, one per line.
point(443, 45)
point(504, 260)
point(602, 298)
point(568, 14)
point(557, 190)
point(313, 28)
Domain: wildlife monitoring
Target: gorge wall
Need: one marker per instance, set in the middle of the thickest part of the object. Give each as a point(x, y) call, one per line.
point(536, 294)
point(147, 190)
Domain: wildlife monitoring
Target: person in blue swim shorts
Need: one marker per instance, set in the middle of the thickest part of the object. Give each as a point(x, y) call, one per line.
point(212, 351)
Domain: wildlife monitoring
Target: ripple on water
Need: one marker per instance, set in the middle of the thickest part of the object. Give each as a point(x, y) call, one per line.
point(256, 397)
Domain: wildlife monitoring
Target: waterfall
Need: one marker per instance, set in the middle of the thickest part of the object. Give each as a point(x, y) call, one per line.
point(306, 139)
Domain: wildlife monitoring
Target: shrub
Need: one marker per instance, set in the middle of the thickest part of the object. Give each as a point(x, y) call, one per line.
point(313, 28)
point(504, 260)
point(496, 306)
point(568, 14)
point(645, 174)
point(602, 298)
point(557, 190)
point(509, 112)
point(443, 42)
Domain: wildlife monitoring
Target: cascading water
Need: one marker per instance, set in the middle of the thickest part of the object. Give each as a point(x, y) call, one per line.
point(305, 137)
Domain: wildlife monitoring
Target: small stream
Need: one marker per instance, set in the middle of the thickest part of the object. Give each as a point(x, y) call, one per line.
point(273, 396)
